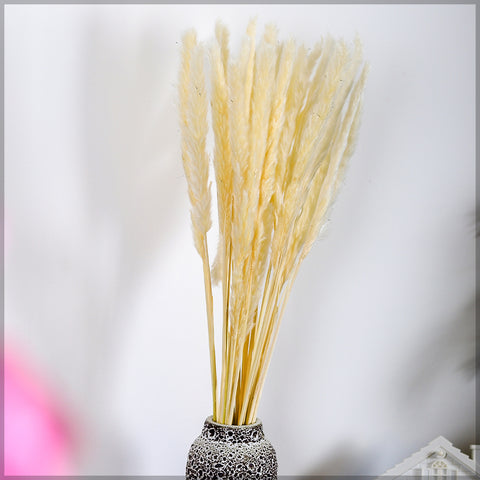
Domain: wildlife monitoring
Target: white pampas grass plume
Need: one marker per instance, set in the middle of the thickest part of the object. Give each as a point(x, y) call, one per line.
point(194, 128)
point(193, 105)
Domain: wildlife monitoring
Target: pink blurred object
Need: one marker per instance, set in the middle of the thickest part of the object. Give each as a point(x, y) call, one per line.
point(37, 438)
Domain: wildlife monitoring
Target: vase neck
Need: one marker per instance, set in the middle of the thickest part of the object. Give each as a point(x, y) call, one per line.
point(232, 433)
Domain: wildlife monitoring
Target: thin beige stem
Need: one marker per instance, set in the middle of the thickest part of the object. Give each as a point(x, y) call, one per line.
point(238, 347)
point(211, 336)
point(255, 376)
point(268, 358)
point(226, 292)
point(259, 341)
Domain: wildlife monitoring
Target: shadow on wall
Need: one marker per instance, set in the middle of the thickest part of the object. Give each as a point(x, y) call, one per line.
point(345, 458)
point(131, 156)
point(450, 348)
point(456, 342)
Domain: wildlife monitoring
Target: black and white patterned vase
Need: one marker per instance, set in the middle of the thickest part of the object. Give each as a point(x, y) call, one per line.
point(231, 453)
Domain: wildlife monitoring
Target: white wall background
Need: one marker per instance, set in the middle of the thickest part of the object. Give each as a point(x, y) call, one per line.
point(104, 289)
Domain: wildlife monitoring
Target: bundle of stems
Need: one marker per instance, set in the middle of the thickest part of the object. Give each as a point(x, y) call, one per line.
point(285, 121)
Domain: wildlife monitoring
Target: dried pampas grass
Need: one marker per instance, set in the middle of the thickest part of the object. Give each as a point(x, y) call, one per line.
point(285, 121)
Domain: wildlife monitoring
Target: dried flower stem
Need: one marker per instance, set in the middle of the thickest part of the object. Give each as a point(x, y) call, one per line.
point(194, 127)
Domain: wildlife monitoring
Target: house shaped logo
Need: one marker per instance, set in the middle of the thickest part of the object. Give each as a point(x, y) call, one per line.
point(438, 460)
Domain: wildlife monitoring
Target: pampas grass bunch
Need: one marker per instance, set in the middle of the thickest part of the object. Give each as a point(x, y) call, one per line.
point(285, 119)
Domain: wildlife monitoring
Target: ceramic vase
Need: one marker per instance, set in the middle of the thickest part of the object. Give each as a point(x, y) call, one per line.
point(231, 452)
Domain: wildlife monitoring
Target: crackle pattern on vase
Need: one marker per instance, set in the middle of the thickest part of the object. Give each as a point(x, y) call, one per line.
point(231, 453)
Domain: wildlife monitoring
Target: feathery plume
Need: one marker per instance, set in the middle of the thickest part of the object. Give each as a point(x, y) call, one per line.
point(194, 127)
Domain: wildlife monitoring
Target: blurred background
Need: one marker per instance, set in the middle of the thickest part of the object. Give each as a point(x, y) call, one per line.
point(106, 354)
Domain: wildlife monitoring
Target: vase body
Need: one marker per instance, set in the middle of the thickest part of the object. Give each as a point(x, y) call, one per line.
point(231, 453)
